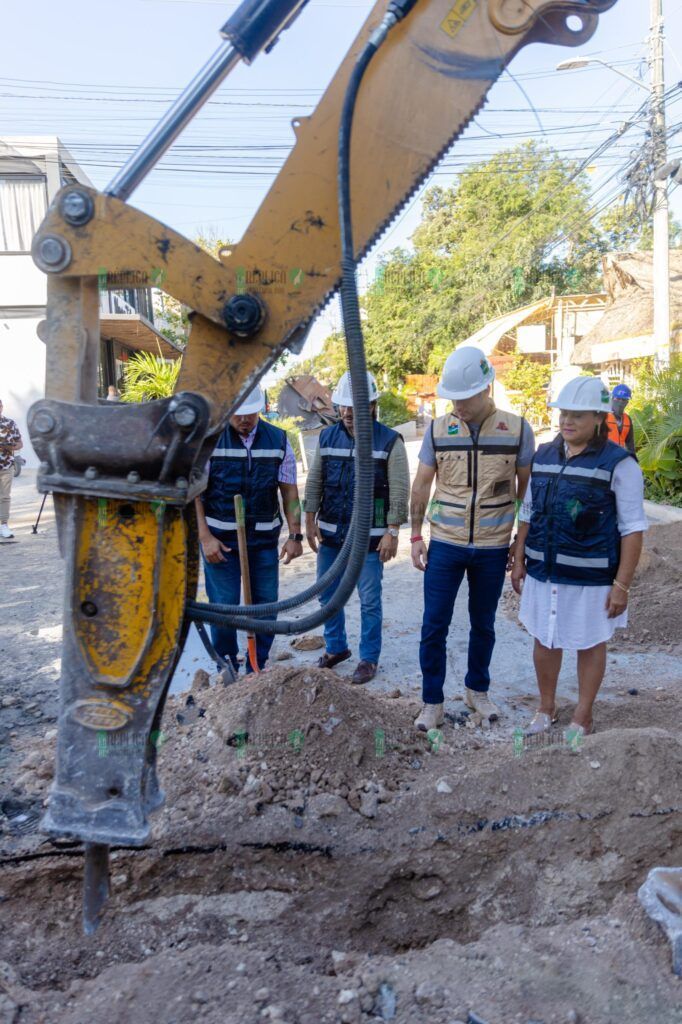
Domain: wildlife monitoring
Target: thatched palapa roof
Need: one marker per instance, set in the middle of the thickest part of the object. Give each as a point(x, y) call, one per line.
point(628, 280)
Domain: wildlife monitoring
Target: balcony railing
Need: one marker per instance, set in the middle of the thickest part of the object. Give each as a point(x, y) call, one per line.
point(129, 301)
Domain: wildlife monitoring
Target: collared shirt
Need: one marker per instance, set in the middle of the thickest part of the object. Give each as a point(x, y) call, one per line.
point(9, 435)
point(287, 469)
point(427, 454)
point(398, 484)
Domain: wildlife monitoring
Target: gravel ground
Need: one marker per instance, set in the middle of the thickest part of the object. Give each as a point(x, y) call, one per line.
point(345, 881)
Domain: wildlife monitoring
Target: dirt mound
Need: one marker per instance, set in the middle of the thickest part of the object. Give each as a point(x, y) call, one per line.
point(507, 893)
point(654, 616)
point(295, 737)
point(655, 603)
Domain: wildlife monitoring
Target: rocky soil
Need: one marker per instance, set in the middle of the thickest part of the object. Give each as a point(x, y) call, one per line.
point(317, 861)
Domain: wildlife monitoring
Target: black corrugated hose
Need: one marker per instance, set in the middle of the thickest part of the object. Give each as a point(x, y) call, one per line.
point(354, 550)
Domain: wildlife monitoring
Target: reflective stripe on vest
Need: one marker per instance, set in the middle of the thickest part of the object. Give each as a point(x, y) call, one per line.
point(253, 473)
point(573, 533)
point(474, 501)
point(337, 452)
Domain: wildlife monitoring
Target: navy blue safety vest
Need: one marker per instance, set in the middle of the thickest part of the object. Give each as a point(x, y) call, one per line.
point(573, 536)
point(337, 450)
point(236, 469)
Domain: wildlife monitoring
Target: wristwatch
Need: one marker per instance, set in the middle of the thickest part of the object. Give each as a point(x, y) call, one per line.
point(296, 536)
point(393, 531)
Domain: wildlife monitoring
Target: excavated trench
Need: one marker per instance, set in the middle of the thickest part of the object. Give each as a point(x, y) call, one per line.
point(473, 842)
point(454, 881)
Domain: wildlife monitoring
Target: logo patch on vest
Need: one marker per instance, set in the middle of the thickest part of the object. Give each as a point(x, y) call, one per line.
point(453, 428)
point(501, 426)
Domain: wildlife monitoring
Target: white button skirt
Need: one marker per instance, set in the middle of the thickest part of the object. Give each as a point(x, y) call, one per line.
point(572, 618)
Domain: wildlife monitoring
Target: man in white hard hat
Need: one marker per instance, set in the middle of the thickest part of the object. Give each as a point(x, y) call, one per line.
point(328, 508)
point(253, 458)
point(479, 457)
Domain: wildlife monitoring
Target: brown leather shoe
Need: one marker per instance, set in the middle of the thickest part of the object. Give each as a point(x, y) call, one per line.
point(330, 660)
point(365, 671)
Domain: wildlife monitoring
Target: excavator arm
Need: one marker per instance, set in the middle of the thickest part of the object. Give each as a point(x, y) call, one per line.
point(124, 476)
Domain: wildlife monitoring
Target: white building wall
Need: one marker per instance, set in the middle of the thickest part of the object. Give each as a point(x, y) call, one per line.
point(21, 283)
point(22, 358)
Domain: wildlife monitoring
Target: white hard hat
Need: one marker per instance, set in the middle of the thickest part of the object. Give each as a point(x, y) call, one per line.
point(343, 393)
point(254, 402)
point(467, 372)
point(583, 394)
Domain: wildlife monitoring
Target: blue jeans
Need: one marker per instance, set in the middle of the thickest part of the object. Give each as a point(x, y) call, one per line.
point(223, 586)
point(485, 569)
point(369, 591)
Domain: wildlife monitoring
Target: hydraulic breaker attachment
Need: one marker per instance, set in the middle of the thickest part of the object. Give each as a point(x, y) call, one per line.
point(124, 476)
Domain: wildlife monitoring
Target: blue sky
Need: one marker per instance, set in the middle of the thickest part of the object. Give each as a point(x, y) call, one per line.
point(100, 75)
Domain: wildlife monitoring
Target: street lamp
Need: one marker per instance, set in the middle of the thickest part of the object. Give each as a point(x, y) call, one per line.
point(582, 62)
point(661, 267)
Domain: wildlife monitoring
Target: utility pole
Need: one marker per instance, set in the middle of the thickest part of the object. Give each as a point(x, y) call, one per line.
point(661, 265)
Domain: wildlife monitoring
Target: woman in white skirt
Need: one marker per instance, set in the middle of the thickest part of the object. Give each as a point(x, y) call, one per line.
point(578, 545)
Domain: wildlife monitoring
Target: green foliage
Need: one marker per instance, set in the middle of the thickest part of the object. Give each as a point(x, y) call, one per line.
point(330, 365)
point(393, 409)
point(624, 228)
point(528, 382)
point(293, 425)
point(509, 232)
point(147, 376)
point(656, 411)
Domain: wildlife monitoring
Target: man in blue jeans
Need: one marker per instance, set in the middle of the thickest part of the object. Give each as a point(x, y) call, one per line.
point(479, 457)
point(252, 458)
point(329, 506)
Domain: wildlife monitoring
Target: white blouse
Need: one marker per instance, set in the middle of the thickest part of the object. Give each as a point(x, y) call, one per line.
point(573, 617)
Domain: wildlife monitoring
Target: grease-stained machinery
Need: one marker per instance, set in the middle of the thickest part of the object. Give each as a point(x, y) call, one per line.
point(124, 476)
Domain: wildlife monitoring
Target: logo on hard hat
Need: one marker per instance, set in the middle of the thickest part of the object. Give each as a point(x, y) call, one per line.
point(605, 397)
point(485, 368)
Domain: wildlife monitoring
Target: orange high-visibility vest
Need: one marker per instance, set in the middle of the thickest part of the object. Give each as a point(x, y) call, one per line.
point(616, 435)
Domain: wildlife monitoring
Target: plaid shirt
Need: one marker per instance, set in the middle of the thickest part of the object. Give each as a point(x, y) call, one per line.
point(9, 435)
point(287, 470)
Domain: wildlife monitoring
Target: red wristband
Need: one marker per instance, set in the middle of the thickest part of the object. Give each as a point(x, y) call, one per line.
point(413, 540)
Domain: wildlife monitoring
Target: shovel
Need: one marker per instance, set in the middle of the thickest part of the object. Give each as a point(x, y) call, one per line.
point(246, 578)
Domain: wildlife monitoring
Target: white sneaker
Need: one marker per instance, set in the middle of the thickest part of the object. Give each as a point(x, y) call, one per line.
point(5, 531)
point(430, 717)
point(481, 703)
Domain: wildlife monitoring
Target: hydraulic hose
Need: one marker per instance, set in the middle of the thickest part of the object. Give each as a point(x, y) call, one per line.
point(357, 542)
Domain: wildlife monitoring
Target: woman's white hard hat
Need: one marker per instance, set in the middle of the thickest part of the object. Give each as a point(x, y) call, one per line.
point(343, 392)
point(466, 373)
point(583, 394)
point(254, 402)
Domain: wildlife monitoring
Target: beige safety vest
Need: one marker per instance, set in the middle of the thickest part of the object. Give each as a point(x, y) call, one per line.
point(475, 496)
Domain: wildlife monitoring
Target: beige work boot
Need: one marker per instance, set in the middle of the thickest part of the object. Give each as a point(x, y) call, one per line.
point(430, 717)
point(481, 703)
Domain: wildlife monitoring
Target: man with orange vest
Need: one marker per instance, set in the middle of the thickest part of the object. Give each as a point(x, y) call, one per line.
point(619, 423)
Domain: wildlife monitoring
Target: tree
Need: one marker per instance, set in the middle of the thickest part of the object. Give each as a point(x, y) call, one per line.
point(329, 365)
point(510, 231)
point(626, 227)
point(529, 380)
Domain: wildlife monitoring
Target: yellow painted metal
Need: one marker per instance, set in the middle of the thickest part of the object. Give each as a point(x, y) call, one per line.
point(129, 594)
point(427, 82)
point(123, 247)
